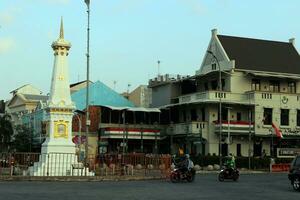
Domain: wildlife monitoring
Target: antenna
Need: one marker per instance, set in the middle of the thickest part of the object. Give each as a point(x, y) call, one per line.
point(115, 82)
point(158, 66)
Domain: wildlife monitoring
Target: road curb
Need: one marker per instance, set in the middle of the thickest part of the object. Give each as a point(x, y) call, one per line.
point(79, 179)
point(241, 172)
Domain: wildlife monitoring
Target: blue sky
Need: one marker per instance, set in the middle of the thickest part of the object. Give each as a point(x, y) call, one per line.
point(128, 36)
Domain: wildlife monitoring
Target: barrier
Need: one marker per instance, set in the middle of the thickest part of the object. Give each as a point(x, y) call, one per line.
point(131, 164)
point(282, 167)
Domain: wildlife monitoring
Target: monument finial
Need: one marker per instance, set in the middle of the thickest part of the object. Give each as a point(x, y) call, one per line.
point(61, 33)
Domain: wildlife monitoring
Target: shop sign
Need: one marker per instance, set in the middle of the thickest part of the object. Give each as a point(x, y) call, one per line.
point(287, 152)
point(290, 131)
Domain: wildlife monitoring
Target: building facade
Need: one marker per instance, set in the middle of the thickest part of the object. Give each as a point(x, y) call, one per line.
point(140, 96)
point(258, 87)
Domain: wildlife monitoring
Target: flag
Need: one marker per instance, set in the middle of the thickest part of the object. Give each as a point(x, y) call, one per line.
point(277, 131)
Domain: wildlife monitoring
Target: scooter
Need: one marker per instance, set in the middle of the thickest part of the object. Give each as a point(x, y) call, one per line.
point(177, 175)
point(228, 173)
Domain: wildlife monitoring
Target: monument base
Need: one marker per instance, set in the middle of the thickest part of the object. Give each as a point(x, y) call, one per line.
point(52, 162)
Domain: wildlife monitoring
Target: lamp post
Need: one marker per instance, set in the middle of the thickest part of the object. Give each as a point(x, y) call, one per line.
point(87, 2)
point(220, 105)
point(142, 139)
point(171, 137)
point(272, 147)
point(249, 147)
point(79, 132)
point(155, 132)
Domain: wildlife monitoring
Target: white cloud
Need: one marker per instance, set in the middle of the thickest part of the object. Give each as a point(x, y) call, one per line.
point(6, 45)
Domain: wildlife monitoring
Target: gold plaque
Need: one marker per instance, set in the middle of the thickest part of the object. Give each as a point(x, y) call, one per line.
point(61, 129)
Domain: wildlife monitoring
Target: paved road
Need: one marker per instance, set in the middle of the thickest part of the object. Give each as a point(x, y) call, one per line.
point(255, 186)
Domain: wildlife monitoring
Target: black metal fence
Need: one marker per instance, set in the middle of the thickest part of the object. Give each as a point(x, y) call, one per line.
point(63, 164)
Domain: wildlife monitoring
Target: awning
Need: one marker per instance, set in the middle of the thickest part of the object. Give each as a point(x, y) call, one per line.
point(134, 109)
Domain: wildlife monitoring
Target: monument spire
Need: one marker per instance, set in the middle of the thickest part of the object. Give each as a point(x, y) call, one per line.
point(60, 89)
point(61, 33)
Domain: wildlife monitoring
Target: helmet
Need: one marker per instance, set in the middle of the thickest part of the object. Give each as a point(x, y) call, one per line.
point(187, 155)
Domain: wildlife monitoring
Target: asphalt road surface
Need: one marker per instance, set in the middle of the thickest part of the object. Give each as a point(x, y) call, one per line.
point(254, 186)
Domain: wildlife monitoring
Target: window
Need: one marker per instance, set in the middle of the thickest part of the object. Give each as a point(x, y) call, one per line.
point(193, 114)
point(291, 87)
point(284, 117)
point(184, 116)
point(255, 84)
point(213, 66)
point(223, 84)
point(274, 86)
point(267, 116)
point(214, 85)
point(238, 149)
point(205, 86)
point(224, 114)
point(298, 117)
point(238, 116)
point(203, 114)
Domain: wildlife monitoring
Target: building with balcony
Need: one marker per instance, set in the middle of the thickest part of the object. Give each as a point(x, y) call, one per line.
point(257, 83)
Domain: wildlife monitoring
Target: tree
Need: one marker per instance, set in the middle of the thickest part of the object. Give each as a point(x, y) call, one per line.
point(6, 132)
point(23, 139)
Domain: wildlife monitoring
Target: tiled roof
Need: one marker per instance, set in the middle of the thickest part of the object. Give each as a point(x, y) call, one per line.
point(261, 55)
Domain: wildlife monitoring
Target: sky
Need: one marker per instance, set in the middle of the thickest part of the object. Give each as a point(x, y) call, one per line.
point(128, 37)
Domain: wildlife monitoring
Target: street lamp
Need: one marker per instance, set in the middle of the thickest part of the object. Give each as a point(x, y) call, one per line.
point(87, 2)
point(220, 105)
point(76, 114)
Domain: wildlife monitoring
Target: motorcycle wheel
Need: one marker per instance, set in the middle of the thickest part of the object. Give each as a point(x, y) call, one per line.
point(190, 178)
point(235, 177)
point(221, 177)
point(174, 178)
point(296, 184)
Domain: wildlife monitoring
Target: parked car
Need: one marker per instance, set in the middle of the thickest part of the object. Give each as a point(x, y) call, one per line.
point(294, 174)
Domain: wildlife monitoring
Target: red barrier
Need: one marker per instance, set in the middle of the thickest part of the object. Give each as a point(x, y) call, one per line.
point(282, 167)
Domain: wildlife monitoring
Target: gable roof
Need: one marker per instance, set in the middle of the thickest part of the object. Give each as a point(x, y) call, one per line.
point(100, 95)
point(32, 97)
point(261, 55)
point(23, 98)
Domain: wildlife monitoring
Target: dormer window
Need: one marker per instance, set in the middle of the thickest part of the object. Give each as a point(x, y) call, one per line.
point(274, 86)
point(291, 87)
point(213, 66)
point(255, 84)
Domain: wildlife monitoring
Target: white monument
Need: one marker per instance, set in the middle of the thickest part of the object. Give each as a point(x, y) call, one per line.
point(58, 156)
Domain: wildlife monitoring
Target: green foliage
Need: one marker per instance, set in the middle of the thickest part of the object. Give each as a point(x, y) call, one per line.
point(6, 132)
point(241, 162)
point(23, 139)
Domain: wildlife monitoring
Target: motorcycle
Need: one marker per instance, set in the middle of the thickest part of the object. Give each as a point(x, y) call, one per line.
point(177, 175)
point(228, 173)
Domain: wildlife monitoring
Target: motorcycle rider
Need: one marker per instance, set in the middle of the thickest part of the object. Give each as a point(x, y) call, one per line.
point(186, 164)
point(230, 163)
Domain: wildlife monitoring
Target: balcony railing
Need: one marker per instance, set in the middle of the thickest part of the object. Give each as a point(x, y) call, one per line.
point(214, 96)
point(279, 97)
point(131, 131)
point(193, 128)
point(234, 127)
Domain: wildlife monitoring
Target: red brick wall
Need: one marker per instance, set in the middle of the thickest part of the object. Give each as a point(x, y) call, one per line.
point(94, 112)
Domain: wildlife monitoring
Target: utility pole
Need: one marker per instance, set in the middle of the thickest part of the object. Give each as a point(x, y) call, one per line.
point(88, 123)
